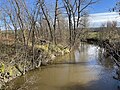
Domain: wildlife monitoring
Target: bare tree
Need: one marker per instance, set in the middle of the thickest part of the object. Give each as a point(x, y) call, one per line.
point(74, 10)
point(45, 13)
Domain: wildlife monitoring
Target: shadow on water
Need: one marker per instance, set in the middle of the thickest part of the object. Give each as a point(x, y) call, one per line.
point(93, 85)
point(84, 69)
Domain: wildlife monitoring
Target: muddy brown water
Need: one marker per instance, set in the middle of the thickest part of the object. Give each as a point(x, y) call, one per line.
point(84, 69)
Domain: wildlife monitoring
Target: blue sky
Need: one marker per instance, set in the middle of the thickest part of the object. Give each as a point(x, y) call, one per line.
point(99, 12)
point(102, 6)
point(99, 7)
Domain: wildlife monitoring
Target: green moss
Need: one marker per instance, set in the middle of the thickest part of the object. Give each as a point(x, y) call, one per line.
point(2, 68)
point(93, 35)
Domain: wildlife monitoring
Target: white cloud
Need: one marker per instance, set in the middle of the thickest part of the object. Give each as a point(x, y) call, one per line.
point(97, 19)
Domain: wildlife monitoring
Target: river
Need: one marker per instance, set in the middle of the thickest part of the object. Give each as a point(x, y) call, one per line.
point(84, 69)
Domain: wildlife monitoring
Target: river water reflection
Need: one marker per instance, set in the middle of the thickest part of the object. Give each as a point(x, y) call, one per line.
point(84, 69)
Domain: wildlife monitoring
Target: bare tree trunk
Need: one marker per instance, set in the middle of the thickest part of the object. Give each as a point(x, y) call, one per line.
point(55, 19)
point(46, 18)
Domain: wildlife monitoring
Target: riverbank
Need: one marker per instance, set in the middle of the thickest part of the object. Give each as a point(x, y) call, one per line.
point(112, 50)
point(14, 64)
point(108, 39)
